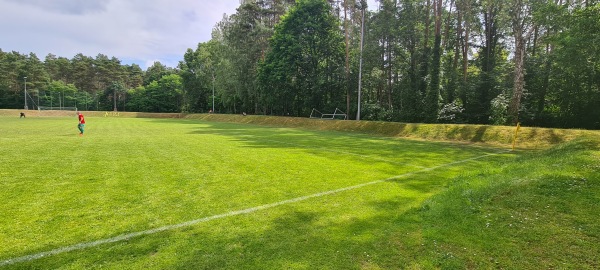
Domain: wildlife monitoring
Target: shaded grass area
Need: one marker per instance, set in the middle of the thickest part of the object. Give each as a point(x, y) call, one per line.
point(128, 175)
point(499, 136)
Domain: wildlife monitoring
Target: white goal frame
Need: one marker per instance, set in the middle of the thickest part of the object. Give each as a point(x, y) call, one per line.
point(316, 114)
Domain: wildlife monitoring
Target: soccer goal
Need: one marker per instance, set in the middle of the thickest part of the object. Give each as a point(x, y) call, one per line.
point(47, 108)
point(56, 111)
point(336, 115)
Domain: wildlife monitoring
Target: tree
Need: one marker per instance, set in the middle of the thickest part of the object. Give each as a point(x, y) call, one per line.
point(164, 95)
point(432, 97)
point(197, 72)
point(84, 75)
point(155, 72)
point(116, 91)
point(522, 29)
point(135, 76)
point(304, 68)
point(59, 94)
point(414, 61)
point(488, 85)
point(574, 84)
point(58, 68)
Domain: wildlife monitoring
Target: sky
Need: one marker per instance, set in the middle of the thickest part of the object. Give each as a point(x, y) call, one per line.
point(134, 31)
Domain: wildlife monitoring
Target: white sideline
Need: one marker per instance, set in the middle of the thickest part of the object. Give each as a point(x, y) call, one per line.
point(128, 236)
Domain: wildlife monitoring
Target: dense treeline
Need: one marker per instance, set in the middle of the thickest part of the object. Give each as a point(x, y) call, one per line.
point(452, 61)
point(87, 83)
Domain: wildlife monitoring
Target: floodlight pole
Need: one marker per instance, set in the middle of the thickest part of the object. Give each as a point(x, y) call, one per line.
point(25, 93)
point(363, 5)
point(213, 86)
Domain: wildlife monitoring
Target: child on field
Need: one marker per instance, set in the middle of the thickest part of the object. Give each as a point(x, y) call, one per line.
point(81, 124)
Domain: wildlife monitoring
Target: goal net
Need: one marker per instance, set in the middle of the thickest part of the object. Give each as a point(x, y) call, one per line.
point(56, 111)
point(336, 115)
point(47, 108)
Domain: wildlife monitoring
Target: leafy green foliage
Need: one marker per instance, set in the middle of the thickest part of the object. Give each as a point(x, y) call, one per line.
point(198, 72)
point(164, 95)
point(573, 91)
point(304, 68)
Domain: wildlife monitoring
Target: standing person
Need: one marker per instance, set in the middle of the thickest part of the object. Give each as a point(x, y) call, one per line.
point(81, 124)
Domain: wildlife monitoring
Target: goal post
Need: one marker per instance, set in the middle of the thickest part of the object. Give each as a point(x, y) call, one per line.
point(336, 115)
point(47, 108)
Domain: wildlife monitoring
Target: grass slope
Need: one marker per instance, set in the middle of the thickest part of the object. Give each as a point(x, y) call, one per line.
point(538, 212)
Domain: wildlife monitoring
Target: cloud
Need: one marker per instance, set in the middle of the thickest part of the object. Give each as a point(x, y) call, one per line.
point(66, 6)
point(135, 31)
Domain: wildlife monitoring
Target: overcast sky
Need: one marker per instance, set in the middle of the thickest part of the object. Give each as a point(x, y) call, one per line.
point(134, 31)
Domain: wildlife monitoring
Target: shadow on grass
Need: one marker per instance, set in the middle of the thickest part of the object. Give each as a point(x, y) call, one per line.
point(309, 239)
point(318, 142)
point(342, 233)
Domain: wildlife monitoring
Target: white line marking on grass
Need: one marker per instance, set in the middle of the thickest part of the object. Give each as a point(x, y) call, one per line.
point(128, 236)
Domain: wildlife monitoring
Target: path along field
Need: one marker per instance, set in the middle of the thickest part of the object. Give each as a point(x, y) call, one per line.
point(139, 193)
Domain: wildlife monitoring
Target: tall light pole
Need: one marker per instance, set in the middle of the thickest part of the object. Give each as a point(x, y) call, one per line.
point(25, 93)
point(363, 6)
point(213, 107)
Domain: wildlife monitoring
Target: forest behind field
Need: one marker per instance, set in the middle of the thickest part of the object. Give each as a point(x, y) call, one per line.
point(429, 61)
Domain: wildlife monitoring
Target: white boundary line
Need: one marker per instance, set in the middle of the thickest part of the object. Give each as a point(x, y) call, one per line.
point(128, 236)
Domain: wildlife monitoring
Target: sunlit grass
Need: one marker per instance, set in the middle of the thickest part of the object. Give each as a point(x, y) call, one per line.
point(129, 175)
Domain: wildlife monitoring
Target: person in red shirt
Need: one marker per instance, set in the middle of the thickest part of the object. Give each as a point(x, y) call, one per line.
point(81, 124)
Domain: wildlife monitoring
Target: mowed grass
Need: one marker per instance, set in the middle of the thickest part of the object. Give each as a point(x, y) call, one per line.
point(441, 205)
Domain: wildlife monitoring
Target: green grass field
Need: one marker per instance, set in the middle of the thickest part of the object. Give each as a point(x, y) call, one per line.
point(138, 193)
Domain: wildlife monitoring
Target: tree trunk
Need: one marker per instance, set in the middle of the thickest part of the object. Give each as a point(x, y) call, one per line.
point(465, 63)
point(389, 73)
point(452, 94)
point(347, 35)
point(520, 23)
point(519, 80)
point(433, 93)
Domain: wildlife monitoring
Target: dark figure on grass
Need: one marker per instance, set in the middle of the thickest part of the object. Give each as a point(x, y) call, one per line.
point(81, 124)
point(22, 115)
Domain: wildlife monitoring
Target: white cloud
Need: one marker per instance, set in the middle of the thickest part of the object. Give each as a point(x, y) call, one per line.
point(139, 31)
point(135, 31)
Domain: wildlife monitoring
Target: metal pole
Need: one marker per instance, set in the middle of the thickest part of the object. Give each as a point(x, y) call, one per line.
point(25, 94)
point(362, 35)
point(213, 107)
